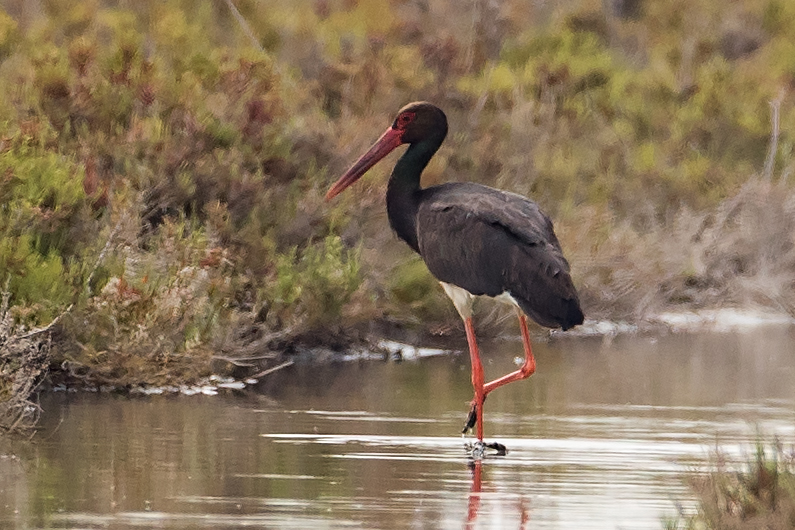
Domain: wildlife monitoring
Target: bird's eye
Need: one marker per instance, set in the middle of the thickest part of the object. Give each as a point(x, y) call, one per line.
point(403, 120)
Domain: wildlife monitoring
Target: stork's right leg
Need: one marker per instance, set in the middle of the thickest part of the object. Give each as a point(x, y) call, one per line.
point(462, 300)
point(478, 379)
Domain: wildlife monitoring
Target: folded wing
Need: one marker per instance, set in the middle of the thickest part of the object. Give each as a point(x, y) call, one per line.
point(491, 242)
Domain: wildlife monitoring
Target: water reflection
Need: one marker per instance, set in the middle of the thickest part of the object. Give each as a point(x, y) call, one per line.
point(475, 493)
point(476, 466)
point(597, 438)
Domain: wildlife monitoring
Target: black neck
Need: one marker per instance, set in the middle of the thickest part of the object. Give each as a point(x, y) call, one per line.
point(403, 190)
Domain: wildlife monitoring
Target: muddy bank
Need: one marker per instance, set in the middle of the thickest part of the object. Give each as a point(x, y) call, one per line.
point(240, 373)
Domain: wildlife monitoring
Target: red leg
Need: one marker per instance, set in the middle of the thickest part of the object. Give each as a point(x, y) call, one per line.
point(477, 375)
point(524, 372)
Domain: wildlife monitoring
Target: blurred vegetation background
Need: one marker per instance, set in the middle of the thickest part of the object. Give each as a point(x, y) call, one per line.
point(163, 165)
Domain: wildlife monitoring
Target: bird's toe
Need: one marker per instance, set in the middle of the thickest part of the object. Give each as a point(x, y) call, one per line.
point(500, 448)
point(477, 449)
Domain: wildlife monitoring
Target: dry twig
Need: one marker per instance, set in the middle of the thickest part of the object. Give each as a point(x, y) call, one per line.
point(24, 358)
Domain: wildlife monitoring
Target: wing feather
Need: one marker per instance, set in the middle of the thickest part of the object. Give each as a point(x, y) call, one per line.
point(489, 242)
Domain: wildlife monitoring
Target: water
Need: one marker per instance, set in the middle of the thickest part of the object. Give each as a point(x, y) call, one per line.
point(600, 437)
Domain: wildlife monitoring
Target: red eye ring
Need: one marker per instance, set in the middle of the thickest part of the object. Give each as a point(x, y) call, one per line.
point(403, 120)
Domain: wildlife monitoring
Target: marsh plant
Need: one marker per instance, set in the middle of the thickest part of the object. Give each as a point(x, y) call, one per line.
point(24, 360)
point(759, 495)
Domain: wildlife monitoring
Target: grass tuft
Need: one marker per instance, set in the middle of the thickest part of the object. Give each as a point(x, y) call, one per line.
point(760, 496)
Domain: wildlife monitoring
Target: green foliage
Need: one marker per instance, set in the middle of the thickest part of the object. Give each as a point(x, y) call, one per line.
point(39, 179)
point(36, 280)
point(316, 283)
point(42, 195)
point(9, 34)
point(415, 294)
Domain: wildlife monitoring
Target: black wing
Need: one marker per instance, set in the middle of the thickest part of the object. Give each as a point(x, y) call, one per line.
point(490, 242)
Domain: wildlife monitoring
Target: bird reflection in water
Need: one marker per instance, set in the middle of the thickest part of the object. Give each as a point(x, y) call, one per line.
point(475, 494)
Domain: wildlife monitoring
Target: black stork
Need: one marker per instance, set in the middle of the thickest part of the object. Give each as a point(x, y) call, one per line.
point(475, 240)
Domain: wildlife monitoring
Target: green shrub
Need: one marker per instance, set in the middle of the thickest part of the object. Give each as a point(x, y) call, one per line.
point(315, 283)
point(158, 315)
point(43, 201)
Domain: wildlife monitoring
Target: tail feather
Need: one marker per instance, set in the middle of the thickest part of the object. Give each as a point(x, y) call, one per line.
point(560, 313)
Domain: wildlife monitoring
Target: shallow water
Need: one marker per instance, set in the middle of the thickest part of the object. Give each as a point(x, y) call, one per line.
point(599, 437)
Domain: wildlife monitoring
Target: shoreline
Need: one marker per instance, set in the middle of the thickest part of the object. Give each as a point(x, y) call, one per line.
point(724, 320)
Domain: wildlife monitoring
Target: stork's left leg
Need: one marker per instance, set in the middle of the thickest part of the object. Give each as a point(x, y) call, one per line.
point(525, 371)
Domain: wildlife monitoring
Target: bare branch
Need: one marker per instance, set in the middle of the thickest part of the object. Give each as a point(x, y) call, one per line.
point(244, 361)
point(101, 256)
point(256, 346)
point(770, 161)
point(45, 329)
point(243, 24)
point(263, 373)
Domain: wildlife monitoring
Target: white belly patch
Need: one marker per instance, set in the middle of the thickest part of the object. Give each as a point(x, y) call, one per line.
point(463, 299)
